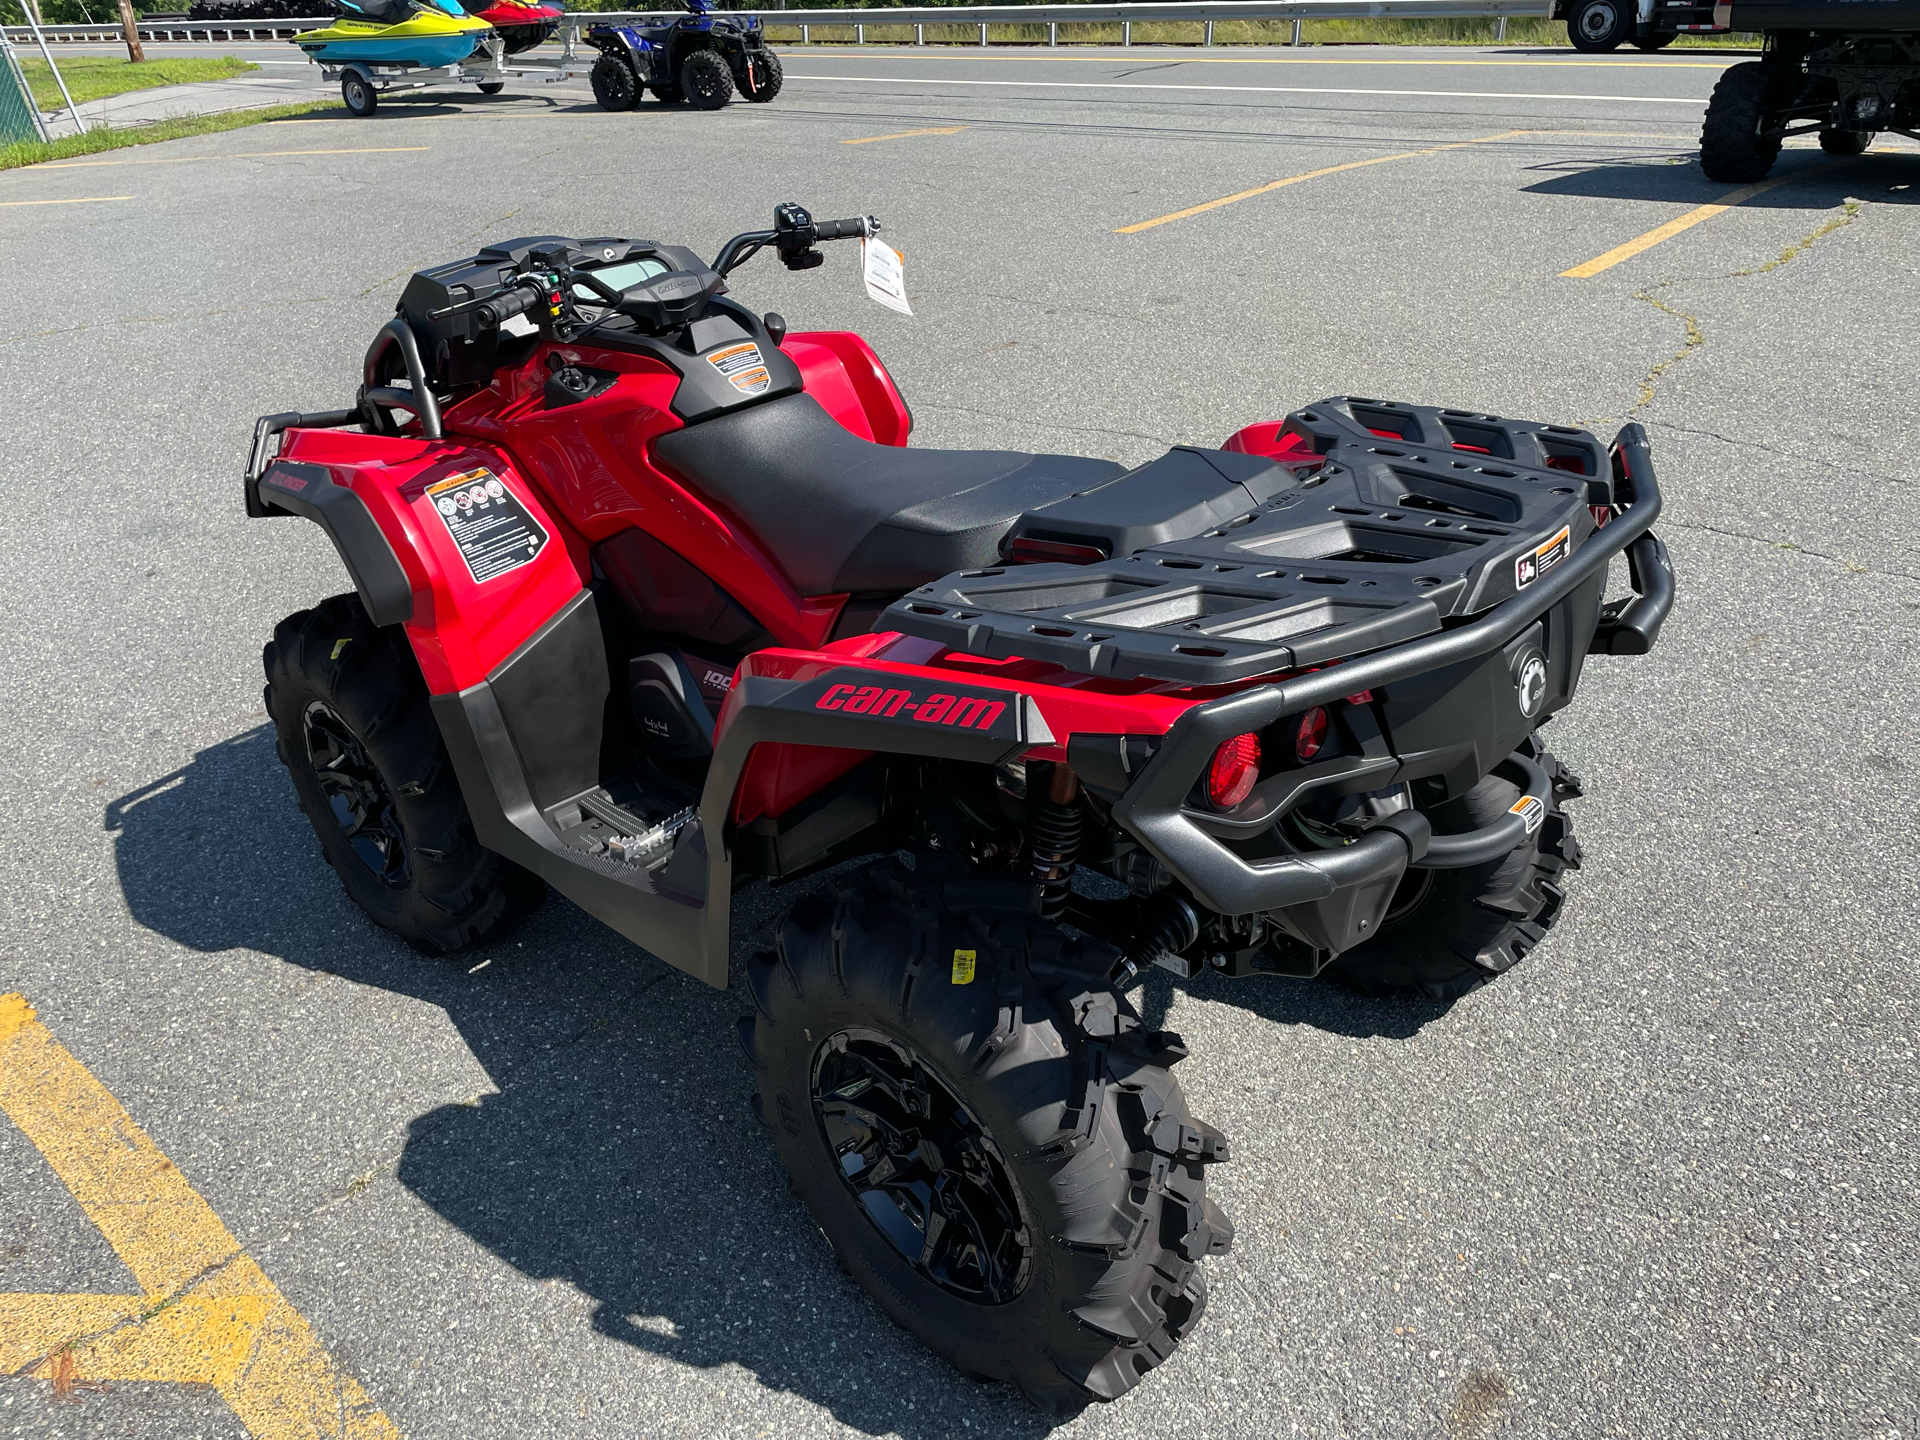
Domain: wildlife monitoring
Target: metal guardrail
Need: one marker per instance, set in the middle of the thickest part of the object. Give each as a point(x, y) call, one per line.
point(1207, 12)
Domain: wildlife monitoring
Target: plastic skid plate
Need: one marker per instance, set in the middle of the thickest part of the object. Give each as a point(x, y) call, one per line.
point(1410, 516)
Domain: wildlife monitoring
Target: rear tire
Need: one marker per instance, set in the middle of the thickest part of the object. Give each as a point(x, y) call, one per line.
point(358, 95)
point(492, 87)
point(1061, 1145)
point(1845, 142)
point(1451, 931)
point(1650, 43)
point(369, 768)
point(1732, 147)
point(1597, 26)
point(615, 85)
point(705, 81)
point(758, 76)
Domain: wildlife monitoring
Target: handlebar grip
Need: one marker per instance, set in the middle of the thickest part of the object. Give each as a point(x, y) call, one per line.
point(855, 229)
point(516, 301)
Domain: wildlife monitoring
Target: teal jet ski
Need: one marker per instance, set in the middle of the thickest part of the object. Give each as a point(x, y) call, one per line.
point(416, 33)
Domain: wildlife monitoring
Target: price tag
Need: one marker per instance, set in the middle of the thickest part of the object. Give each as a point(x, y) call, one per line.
point(885, 274)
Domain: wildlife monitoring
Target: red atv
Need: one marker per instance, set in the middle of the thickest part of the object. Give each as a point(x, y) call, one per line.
point(651, 601)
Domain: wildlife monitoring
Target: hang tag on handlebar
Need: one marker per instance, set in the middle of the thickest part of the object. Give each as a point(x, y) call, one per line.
point(885, 274)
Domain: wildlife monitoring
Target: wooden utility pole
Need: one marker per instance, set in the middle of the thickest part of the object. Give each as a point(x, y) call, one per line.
point(132, 28)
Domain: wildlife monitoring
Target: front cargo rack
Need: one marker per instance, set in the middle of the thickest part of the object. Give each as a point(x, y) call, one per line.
point(1359, 524)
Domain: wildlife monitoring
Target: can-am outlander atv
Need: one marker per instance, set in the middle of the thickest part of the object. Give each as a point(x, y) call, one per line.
point(651, 600)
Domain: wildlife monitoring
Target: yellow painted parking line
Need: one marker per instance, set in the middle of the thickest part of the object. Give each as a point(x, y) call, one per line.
point(207, 1313)
point(241, 155)
point(880, 53)
point(906, 134)
point(1679, 223)
point(80, 200)
point(1309, 175)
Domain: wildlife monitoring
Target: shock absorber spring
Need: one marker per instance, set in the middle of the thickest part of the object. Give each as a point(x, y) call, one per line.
point(1054, 823)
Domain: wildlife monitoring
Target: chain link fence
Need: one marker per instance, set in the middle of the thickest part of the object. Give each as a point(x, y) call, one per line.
point(19, 116)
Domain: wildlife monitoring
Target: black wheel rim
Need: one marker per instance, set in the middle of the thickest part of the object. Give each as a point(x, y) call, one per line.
point(357, 795)
point(921, 1168)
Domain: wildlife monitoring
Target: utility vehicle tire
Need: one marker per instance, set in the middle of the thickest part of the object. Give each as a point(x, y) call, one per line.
point(369, 768)
point(1022, 1107)
point(1451, 931)
point(492, 87)
point(705, 82)
point(358, 95)
point(1597, 26)
point(758, 77)
point(615, 85)
point(1650, 43)
point(1845, 142)
point(1732, 148)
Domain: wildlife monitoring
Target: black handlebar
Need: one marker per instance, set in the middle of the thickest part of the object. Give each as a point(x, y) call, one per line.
point(517, 301)
point(855, 229)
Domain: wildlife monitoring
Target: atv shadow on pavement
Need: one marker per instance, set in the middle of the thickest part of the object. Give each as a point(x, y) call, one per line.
point(1812, 180)
point(619, 1156)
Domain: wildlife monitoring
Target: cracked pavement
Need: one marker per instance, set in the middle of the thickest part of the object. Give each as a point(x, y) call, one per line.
point(1658, 1182)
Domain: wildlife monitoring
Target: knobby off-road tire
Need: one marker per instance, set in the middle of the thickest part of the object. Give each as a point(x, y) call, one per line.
point(492, 87)
point(615, 85)
point(1732, 148)
point(1845, 142)
point(913, 1032)
point(758, 77)
point(369, 768)
point(1451, 931)
point(704, 81)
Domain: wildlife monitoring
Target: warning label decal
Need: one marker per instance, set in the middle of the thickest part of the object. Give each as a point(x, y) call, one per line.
point(1531, 566)
point(490, 527)
point(1530, 810)
point(743, 366)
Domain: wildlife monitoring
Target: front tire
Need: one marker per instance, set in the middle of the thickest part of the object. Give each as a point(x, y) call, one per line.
point(1449, 932)
point(1648, 44)
point(1734, 148)
point(1597, 26)
point(615, 85)
point(370, 770)
point(492, 87)
point(704, 81)
point(993, 1146)
point(759, 75)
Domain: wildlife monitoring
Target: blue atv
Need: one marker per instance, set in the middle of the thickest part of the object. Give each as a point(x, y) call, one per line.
point(698, 60)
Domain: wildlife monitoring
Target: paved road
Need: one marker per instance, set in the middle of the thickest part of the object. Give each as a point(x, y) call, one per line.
point(1658, 1182)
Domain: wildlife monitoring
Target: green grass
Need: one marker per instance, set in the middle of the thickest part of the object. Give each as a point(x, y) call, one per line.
point(95, 77)
point(1521, 33)
point(33, 152)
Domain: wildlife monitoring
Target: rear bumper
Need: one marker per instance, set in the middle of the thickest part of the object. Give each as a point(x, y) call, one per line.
point(1155, 809)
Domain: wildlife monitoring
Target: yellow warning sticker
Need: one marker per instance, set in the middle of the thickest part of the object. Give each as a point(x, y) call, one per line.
point(963, 966)
point(743, 366)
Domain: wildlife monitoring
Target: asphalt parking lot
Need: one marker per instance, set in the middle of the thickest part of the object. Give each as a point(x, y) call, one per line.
point(1658, 1182)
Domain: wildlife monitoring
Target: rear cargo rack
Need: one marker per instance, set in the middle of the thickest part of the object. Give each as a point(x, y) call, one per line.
point(1414, 516)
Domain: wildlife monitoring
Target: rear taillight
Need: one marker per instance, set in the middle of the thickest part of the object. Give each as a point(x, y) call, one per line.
point(1311, 734)
point(1236, 765)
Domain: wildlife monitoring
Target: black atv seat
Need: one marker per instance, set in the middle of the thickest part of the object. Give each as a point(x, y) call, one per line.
point(842, 515)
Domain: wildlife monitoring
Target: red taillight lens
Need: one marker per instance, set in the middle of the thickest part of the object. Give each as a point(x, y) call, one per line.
point(1236, 765)
point(1312, 733)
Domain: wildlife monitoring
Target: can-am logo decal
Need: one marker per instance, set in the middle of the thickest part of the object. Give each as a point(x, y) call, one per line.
point(1536, 562)
point(976, 712)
